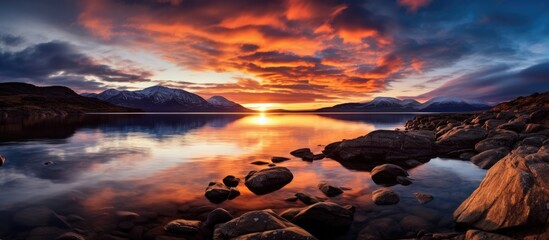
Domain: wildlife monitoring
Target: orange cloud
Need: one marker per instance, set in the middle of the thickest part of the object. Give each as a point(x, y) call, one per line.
point(414, 5)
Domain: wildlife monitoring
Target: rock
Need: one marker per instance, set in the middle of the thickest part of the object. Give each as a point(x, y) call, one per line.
point(514, 194)
point(261, 224)
point(38, 217)
point(383, 146)
point(290, 213)
point(505, 116)
point(300, 153)
point(513, 126)
point(403, 180)
point(532, 128)
point(217, 216)
point(467, 155)
point(231, 181)
point(536, 141)
point(459, 138)
point(324, 216)
point(182, 226)
point(488, 158)
point(385, 196)
point(313, 157)
point(329, 190)
point(41, 233)
point(70, 236)
point(387, 173)
point(279, 159)
point(414, 224)
point(307, 199)
point(126, 215)
point(268, 180)
point(272, 165)
point(540, 116)
point(492, 123)
point(383, 228)
point(423, 198)
point(217, 192)
point(480, 235)
point(499, 139)
point(483, 117)
point(2, 160)
point(259, 163)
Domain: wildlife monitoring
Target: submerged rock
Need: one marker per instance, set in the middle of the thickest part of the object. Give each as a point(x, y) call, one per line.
point(383, 228)
point(387, 173)
point(268, 180)
point(423, 198)
point(385, 196)
point(263, 224)
point(182, 226)
point(329, 190)
point(231, 181)
point(324, 216)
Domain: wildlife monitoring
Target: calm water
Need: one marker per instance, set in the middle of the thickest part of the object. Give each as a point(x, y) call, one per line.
point(159, 166)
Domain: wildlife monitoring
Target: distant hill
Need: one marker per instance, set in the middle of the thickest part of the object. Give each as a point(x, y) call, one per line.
point(22, 99)
point(528, 103)
point(389, 104)
point(164, 99)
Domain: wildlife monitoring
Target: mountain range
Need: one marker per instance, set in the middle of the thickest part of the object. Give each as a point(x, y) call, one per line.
point(164, 99)
point(389, 104)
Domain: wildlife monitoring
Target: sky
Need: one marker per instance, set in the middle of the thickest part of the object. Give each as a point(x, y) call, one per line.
point(292, 54)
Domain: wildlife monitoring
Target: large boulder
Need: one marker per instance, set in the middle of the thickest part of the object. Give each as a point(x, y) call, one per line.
point(515, 126)
point(488, 158)
point(459, 138)
point(497, 139)
point(268, 180)
point(384, 146)
point(263, 224)
point(387, 173)
point(514, 194)
point(324, 216)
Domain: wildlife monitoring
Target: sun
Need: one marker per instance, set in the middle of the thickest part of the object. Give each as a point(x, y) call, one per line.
point(261, 107)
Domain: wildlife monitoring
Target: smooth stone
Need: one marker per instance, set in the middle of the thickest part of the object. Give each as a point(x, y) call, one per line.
point(259, 163)
point(279, 159)
point(460, 138)
point(126, 225)
point(329, 190)
point(387, 173)
point(300, 153)
point(412, 163)
point(268, 180)
point(182, 226)
point(291, 199)
point(385, 196)
point(533, 128)
point(231, 181)
point(217, 216)
point(47, 163)
point(272, 165)
point(513, 126)
point(403, 180)
point(423, 198)
point(290, 213)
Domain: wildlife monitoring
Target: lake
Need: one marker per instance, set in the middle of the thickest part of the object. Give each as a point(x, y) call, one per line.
point(158, 165)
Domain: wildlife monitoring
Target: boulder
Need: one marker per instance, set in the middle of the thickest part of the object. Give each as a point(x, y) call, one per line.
point(182, 226)
point(384, 146)
point(535, 141)
point(259, 225)
point(498, 139)
point(532, 128)
point(302, 152)
point(481, 235)
point(217, 192)
point(483, 117)
point(492, 123)
point(467, 155)
point(411, 163)
point(313, 157)
point(514, 126)
point(540, 116)
point(279, 159)
point(387, 173)
point(514, 194)
point(306, 198)
point(324, 216)
point(460, 138)
point(505, 116)
point(423, 198)
point(488, 158)
point(403, 180)
point(329, 190)
point(385, 196)
point(231, 181)
point(217, 216)
point(268, 180)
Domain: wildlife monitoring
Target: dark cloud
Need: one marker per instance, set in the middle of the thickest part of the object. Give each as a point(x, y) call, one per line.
point(10, 40)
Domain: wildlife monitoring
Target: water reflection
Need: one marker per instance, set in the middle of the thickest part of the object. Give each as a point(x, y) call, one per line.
point(163, 163)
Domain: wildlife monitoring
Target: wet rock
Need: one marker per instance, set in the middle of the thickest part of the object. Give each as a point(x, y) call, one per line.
point(460, 138)
point(324, 216)
point(385, 196)
point(279, 159)
point(231, 181)
point(2, 160)
point(302, 152)
point(414, 224)
point(513, 126)
point(268, 180)
point(306, 198)
point(533, 128)
point(387, 173)
point(41, 233)
point(423, 198)
point(448, 235)
point(182, 226)
point(263, 224)
point(329, 190)
point(480, 235)
point(70, 236)
point(514, 194)
point(217, 192)
point(383, 228)
point(259, 163)
point(38, 217)
point(488, 158)
point(217, 216)
point(382, 146)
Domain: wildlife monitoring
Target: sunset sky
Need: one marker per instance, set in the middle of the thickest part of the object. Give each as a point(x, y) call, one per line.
point(292, 54)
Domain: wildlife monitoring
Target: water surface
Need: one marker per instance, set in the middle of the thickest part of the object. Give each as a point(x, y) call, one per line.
point(161, 164)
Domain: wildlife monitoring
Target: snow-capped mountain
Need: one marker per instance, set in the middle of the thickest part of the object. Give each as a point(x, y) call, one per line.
point(163, 99)
point(222, 101)
point(389, 104)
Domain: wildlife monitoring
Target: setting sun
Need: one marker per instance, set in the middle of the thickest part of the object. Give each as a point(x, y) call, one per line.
point(260, 106)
